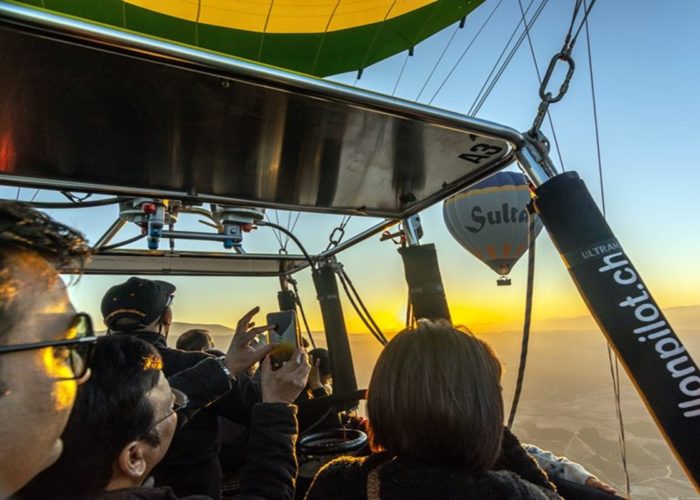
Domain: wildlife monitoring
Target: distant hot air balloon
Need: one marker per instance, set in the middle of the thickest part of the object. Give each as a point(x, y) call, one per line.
point(490, 220)
point(316, 37)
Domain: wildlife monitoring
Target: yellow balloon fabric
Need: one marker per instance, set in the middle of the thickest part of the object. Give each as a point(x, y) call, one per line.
point(317, 37)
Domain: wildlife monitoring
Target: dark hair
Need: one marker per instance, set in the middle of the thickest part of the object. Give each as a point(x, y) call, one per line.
point(195, 339)
point(325, 362)
point(24, 229)
point(111, 409)
point(435, 397)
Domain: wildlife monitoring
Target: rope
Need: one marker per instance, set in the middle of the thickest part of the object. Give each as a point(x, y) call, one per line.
point(612, 360)
point(539, 80)
point(369, 323)
point(301, 311)
point(291, 235)
point(275, 233)
point(444, 51)
point(362, 304)
point(495, 65)
point(374, 41)
point(528, 317)
point(464, 53)
point(403, 67)
point(476, 106)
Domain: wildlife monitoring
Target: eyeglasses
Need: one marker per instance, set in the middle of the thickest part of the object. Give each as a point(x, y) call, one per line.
point(75, 352)
point(180, 403)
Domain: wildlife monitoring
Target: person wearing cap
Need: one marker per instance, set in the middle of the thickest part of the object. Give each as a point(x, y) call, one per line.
point(141, 307)
point(118, 432)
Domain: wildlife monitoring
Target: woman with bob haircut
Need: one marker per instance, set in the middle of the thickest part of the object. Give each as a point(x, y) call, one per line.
point(436, 427)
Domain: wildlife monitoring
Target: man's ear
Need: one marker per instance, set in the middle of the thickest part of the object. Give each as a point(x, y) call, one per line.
point(132, 460)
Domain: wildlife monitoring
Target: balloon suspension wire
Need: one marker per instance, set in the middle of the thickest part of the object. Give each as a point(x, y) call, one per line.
point(297, 299)
point(488, 86)
point(613, 362)
point(464, 53)
point(539, 81)
point(374, 41)
point(532, 236)
point(286, 231)
point(79, 204)
point(403, 68)
point(359, 306)
point(439, 60)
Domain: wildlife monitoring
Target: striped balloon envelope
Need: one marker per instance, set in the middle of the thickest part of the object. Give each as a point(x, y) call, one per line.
point(316, 37)
point(490, 220)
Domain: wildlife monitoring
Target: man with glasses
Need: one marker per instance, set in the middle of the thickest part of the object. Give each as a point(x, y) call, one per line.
point(44, 344)
point(142, 308)
point(118, 432)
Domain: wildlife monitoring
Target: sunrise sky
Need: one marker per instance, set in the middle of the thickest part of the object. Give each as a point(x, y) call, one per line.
point(646, 79)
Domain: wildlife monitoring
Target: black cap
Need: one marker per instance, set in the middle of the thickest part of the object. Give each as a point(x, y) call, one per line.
point(136, 303)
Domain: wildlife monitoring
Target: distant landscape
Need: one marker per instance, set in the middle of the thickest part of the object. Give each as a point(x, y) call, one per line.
point(567, 404)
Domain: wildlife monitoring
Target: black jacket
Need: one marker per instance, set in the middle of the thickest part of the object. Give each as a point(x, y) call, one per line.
point(271, 467)
point(515, 476)
point(346, 479)
point(191, 465)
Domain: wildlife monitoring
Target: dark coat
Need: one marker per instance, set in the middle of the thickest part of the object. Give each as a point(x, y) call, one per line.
point(271, 467)
point(191, 465)
point(346, 479)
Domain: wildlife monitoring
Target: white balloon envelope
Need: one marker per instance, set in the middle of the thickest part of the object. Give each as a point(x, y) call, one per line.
point(490, 220)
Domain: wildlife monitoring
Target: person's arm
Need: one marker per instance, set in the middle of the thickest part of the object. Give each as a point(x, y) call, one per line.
point(562, 467)
point(514, 458)
point(271, 463)
point(204, 383)
point(555, 466)
point(271, 466)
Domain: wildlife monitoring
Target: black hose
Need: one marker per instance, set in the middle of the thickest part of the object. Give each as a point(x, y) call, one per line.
point(81, 204)
point(120, 244)
point(291, 235)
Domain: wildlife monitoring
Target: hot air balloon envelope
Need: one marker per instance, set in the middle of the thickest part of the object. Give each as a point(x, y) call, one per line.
point(490, 220)
point(317, 37)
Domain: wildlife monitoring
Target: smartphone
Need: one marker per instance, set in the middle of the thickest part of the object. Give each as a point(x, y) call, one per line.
point(285, 334)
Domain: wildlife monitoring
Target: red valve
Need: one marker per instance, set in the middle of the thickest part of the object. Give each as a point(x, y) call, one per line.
point(148, 208)
point(247, 227)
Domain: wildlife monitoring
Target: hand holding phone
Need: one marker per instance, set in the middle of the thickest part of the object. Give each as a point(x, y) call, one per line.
point(283, 333)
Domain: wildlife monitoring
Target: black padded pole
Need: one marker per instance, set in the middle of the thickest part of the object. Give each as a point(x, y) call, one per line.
point(344, 380)
point(665, 375)
point(286, 300)
point(424, 282)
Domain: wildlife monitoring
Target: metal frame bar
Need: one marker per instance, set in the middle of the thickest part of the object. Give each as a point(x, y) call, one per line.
point(193, 59)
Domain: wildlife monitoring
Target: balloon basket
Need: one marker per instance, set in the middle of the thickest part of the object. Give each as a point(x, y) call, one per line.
point(503, 281)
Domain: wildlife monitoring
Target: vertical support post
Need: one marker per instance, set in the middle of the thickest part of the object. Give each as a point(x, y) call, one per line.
point(286, 300)
point(424, 282)
point(344, 380)
point(655, 359)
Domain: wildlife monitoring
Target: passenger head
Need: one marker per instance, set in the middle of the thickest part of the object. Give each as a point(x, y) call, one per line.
point(196, 339)
point(120, 428)
point(139, 305)
point(435, 397)
point(37, 384)
point(320, 355)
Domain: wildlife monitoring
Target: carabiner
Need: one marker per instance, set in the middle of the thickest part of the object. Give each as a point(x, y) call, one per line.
point(547, 96)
